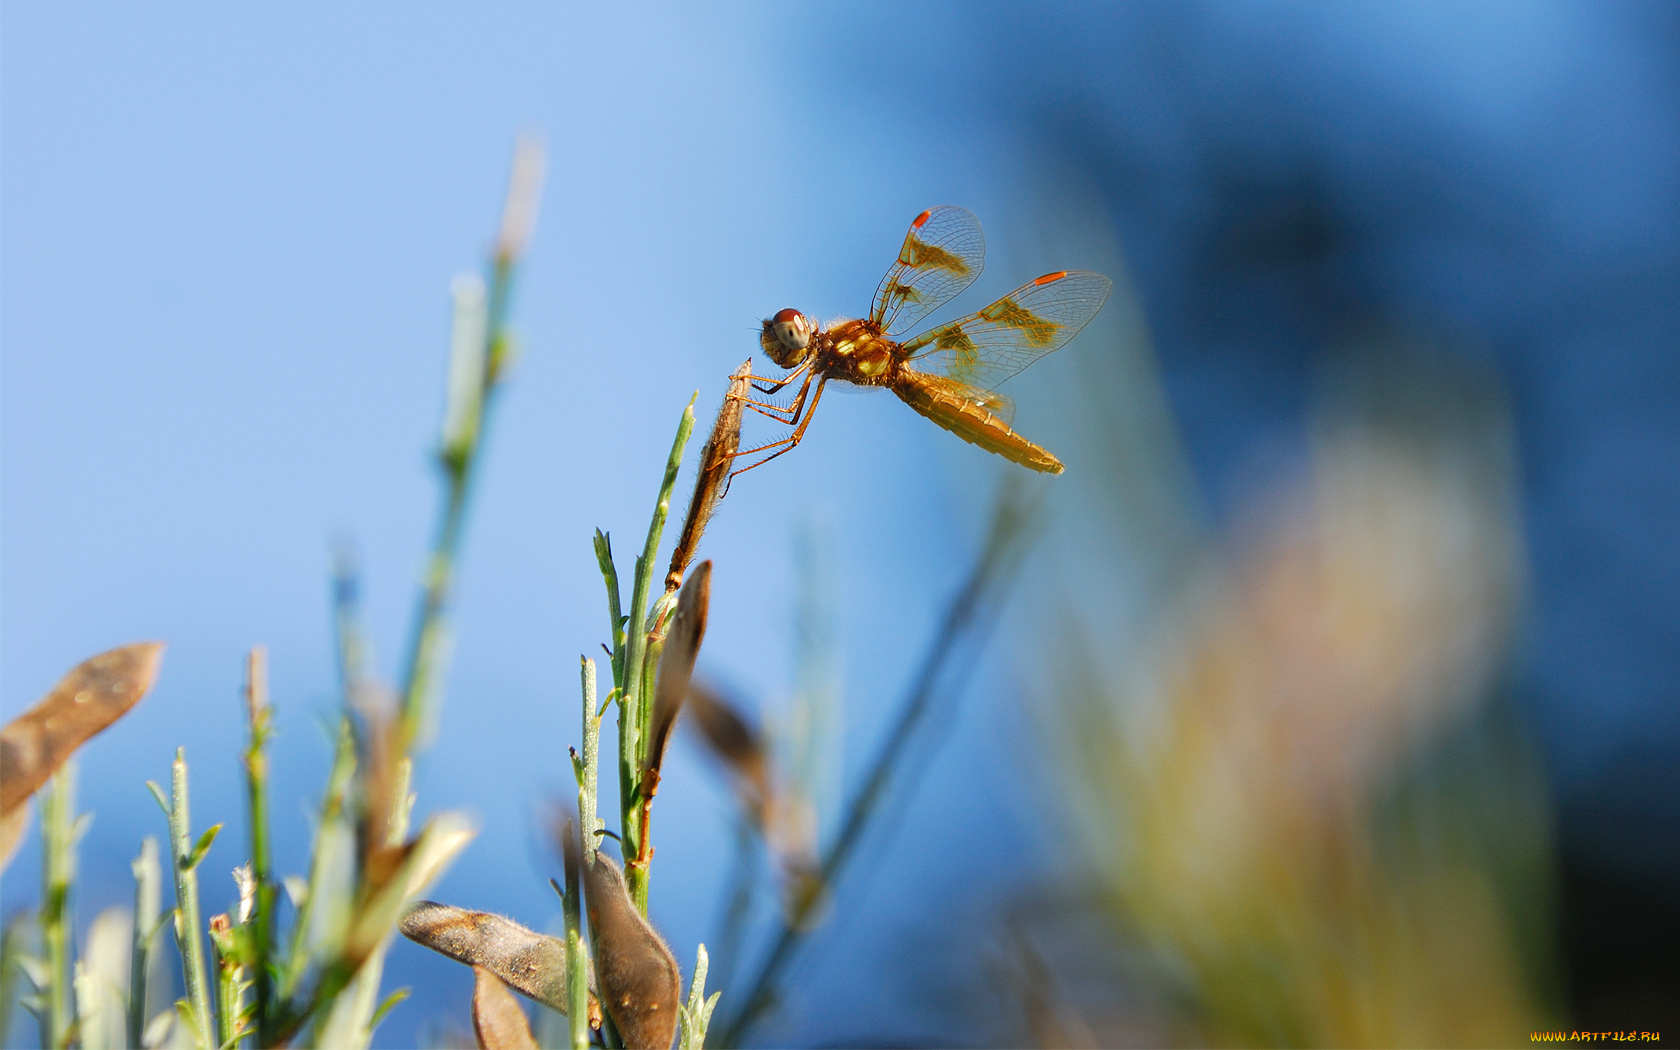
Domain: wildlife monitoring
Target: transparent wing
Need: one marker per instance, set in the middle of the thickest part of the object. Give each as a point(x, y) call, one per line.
point(985, 348)
point(943, 253)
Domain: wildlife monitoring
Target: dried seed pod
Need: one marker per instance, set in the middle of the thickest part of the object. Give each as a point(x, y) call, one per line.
point(383, 768)
point(736, 743)
point(13, 823)
point(498, 1020)
point(530, 963)
point(676, 667)
point(639, 982)
point(717, 455)
point(97, 692)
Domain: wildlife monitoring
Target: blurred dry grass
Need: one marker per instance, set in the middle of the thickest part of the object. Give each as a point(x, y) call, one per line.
point(1305, 805)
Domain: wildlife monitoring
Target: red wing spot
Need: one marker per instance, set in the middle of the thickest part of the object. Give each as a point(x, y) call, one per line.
point(923, 217)
point(1047, 278)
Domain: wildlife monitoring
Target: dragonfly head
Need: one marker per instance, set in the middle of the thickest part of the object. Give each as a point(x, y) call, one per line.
point(787, 337)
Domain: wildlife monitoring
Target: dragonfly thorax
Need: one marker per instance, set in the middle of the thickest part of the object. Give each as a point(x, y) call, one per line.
point(856, 352)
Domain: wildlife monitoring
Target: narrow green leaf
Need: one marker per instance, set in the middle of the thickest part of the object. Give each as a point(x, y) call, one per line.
point(386, 1007)
point(157, 793)
point(695, 1011)
point(35, 969)
point(615, 611)
point(297, 889)
point(157, 1028)
point(201, 847)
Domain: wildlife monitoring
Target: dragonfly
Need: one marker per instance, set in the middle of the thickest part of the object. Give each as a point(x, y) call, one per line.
point(949, 373)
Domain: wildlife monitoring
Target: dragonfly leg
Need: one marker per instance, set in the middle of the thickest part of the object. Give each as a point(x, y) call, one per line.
point(777, 384)
point(789, 443)
point(777, 412)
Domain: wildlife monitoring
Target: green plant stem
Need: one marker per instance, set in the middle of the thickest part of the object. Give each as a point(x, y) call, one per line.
point(352, 655)
point(58, 873)
point(643, 859)
point(347, 996)
point(577, 964)
point(589, 768)
point(424, 671)
point(588, 776)
point(259, 718)
point(148, 906)
point(230, 996)
point(332, 813)
point(347, 623)
point(188, 922)
point(965, 620)
point(634, 706)
point(615, 612)
point(431, 631)
point(14, 947)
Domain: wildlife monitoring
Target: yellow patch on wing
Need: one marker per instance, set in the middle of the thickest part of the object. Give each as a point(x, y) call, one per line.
point(1010, 314)
point(920, 255)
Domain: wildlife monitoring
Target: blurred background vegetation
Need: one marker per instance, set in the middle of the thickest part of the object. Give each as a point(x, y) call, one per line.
point(1336, 702)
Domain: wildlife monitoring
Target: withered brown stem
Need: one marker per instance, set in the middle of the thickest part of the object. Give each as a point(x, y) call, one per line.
point(712, 478)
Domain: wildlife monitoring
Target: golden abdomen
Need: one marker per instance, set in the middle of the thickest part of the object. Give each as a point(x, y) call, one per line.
point(935, 398)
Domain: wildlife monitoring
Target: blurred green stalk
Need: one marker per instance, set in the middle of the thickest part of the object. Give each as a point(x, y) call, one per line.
point(362, 1008)
point(259, 716)
point(332, 813)
point(58, 873)
point(148, 906)
point(14, 947)
point(477, 357)
point(965, 621)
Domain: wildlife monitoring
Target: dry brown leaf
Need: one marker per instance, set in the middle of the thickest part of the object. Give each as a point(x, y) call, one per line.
point(498, 1019)
point(97, 692)
point(383, 766)
point(531, 963)
point(676, 667)
point(382, 906)
point(736, 743)
point(639, 982)
point(12, 826)
point(716, 457)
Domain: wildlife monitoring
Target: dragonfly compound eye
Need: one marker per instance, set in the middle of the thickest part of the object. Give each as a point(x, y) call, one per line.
point(786, 337)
